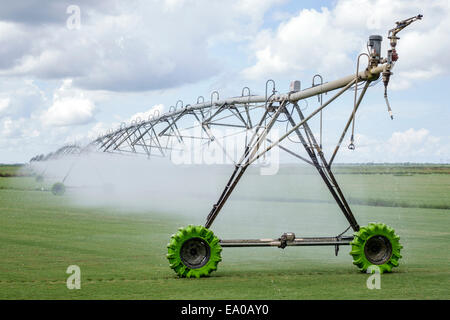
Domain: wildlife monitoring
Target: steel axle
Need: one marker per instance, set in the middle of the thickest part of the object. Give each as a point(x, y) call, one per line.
point(282, 243)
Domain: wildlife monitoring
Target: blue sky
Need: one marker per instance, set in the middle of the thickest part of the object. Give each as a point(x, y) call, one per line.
point(60, 85)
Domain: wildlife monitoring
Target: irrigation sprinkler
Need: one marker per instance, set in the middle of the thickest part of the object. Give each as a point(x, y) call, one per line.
point(58, 188)
point(194, 251)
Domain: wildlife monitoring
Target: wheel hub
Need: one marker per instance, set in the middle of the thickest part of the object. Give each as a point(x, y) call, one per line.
point(378, 250)
point(195, 253)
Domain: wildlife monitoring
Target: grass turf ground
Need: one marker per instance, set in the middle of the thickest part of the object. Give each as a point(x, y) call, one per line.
point(122, 256)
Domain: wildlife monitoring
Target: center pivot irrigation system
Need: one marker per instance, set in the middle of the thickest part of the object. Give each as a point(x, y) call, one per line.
point(195, 251)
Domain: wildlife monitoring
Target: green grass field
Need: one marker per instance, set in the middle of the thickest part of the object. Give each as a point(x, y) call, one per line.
point(122, 254)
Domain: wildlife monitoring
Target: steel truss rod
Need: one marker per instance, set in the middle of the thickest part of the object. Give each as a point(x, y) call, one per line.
point(227, 125)
point(124, 132)
point(244, 162)
point(326, 174)
point(281, 243)
point(172, 124)
point(151, 125)
point(218, 111)
point(239, 116)
point(128, 137)
point(292, 153)
point(213, 138)
point(174, 128)
point(245, 101)
point(298, 125)
point(205, 127)
point(158, 147)
point(250, 156)
point(114, 139)
point(323, 171)
point(144, 146)
point(368, 74)
point(142, 142)
point(136, 128)
point(352, 115)
point(246, 110)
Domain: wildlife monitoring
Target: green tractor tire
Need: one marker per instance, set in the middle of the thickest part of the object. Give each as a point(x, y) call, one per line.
point(58, 189)
point(194, 251)
point(378, 245)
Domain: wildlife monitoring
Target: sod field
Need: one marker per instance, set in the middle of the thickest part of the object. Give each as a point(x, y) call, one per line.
point(122, 255)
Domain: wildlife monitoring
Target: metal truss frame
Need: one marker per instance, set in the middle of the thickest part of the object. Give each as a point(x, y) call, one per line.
point(160, 134)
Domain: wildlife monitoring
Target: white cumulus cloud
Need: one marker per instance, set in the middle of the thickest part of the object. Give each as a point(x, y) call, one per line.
point(70, 107)
point(154, 111)
point(148, 45)
point(328, 41)
point(4, 104)
point(411, 145)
